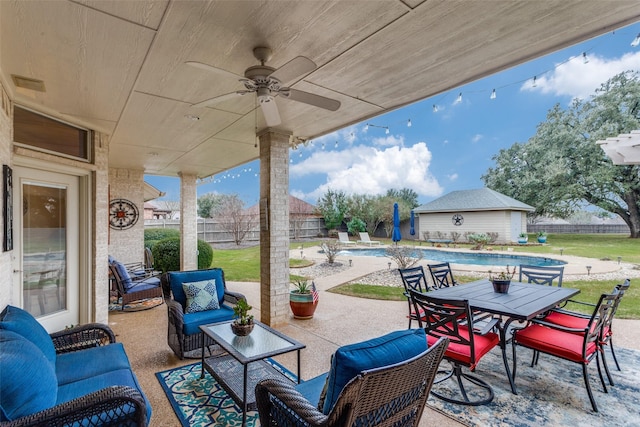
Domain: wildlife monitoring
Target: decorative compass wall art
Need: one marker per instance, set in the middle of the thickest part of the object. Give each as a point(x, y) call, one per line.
point(123, 214)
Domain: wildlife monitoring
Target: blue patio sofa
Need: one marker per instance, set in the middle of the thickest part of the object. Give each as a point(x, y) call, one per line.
point(76, 377)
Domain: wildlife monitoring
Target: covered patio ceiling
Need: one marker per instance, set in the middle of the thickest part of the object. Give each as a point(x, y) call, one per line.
point(623, 149)
point(120, 67)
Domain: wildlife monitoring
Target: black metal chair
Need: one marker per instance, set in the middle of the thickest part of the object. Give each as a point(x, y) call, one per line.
point(442, 275)
point(578, 345)
point(574, 319)
point(452, 319)
point(392, 395)
point(413, 278)
point(541, 275)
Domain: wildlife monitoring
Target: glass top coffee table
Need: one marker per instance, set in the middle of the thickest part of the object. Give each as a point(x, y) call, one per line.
point(243, 365)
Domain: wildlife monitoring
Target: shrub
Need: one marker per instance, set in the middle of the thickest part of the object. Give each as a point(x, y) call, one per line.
point(356, 225)
point(480, 239)
point(404, 256)
point(455, 236)
point(331, 249)
point(154, 235)
point(166, 254)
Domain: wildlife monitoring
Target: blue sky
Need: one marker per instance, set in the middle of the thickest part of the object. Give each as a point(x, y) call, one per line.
point(444, 150)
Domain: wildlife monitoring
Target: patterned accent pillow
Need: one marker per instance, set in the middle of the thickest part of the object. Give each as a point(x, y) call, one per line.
point(201, 296)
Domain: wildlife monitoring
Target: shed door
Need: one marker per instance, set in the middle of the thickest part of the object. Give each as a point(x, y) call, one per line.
point(516, 225)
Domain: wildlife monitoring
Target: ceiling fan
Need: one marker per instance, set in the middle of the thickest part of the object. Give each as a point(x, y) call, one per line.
point(268, 83)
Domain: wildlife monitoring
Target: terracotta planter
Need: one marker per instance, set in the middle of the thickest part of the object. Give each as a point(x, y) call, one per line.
point(242, 330)
point(302, 305)
point(501, 286)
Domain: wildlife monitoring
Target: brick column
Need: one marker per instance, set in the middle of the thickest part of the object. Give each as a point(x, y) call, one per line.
point(274, 227)
point(188, 222)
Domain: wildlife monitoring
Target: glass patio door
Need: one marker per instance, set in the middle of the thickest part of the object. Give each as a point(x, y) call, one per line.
point(46, 242)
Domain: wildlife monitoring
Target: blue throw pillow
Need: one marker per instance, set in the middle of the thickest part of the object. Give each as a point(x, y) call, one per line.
point(22, 322)
point(201, 296)
point(28, 382)
point(349, 360)
point(177, 278)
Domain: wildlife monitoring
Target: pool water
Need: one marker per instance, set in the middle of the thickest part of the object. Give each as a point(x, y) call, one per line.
point(465, 257)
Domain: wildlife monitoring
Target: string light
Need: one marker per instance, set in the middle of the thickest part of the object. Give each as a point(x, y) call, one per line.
point(336, 144)
point(387, 131)
point(534, 84)
point(636, 41)
point(493, 94)
point(459, 100)
point(366, 127)
point(409, 123)
point(585, 60)
point(435, 108)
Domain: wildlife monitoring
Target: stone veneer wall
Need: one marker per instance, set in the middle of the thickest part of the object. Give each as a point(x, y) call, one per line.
point(127, 245)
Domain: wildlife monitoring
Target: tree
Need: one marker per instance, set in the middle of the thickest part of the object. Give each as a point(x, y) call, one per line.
point(561, 168)
point(208, 204)
point(332, 206)
point(406, 195)
point(232, 217)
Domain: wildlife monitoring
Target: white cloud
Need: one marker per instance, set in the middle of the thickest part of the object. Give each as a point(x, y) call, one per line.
point(579, 80)
point(389, 140)
point(367, 170)
point(477, 137)
point(452, 177)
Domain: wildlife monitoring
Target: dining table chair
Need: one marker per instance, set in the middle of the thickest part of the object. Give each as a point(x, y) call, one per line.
point(541, 275)
point(442, 275)
point(413, 278)
point(577, 345)
point(452, 319)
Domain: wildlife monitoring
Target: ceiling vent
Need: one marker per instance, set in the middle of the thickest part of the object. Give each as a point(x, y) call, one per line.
point(28, 83)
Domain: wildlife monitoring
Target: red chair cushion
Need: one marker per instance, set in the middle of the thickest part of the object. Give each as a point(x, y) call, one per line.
point(562, 344)
point(462, 353)
point(564, 319)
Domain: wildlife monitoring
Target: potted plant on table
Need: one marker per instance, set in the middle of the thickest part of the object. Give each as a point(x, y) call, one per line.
point(303, 299)
point(542, 237)
point(243, 323)
point(502, 280)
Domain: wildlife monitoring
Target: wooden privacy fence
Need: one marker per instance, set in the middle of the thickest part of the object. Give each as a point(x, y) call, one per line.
point(211, 231)
point(580, 228)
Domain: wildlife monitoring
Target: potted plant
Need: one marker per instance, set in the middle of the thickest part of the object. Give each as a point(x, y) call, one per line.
point(303, 299)
point(502, 280)
point(243, 323)
point(523, 238)
point(542, 237)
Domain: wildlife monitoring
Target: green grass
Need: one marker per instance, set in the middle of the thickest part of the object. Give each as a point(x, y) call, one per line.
point(243, 265)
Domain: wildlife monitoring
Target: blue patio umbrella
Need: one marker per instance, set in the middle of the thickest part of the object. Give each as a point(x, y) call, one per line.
point(412, 221)
point(396, 236)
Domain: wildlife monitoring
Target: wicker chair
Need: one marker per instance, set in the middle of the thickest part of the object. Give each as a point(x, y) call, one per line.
point(391, 395)
point(110, 406)
point(130, 288)
point(181, 342)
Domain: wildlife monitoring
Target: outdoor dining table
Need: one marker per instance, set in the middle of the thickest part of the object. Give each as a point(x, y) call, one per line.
point(523, 302)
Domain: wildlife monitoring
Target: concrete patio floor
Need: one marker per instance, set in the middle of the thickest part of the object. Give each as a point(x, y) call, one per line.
point(338, 320)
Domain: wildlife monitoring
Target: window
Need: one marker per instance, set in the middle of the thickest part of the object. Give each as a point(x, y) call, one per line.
point(45, 133)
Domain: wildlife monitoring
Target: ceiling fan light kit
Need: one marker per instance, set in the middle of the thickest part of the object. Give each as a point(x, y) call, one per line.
point(267, 83)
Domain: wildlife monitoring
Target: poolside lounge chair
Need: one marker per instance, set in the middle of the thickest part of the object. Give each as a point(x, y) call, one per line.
point(343, 239)
point(365, 240)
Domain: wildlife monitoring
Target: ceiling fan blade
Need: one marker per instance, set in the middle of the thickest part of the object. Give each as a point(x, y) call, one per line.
point(216, 100)
point(297, 67)
point(311, 99)
point(270, 112)
point(213, 69)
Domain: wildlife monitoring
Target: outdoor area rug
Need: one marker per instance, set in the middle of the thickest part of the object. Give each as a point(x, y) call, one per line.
point(552, 393)
point(145, 304)
point(203, 402)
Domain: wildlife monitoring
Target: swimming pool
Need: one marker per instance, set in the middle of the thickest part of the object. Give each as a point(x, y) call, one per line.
point(481, 258)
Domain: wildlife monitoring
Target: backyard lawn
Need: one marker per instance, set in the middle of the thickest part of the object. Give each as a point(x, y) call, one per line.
point(243, 265)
